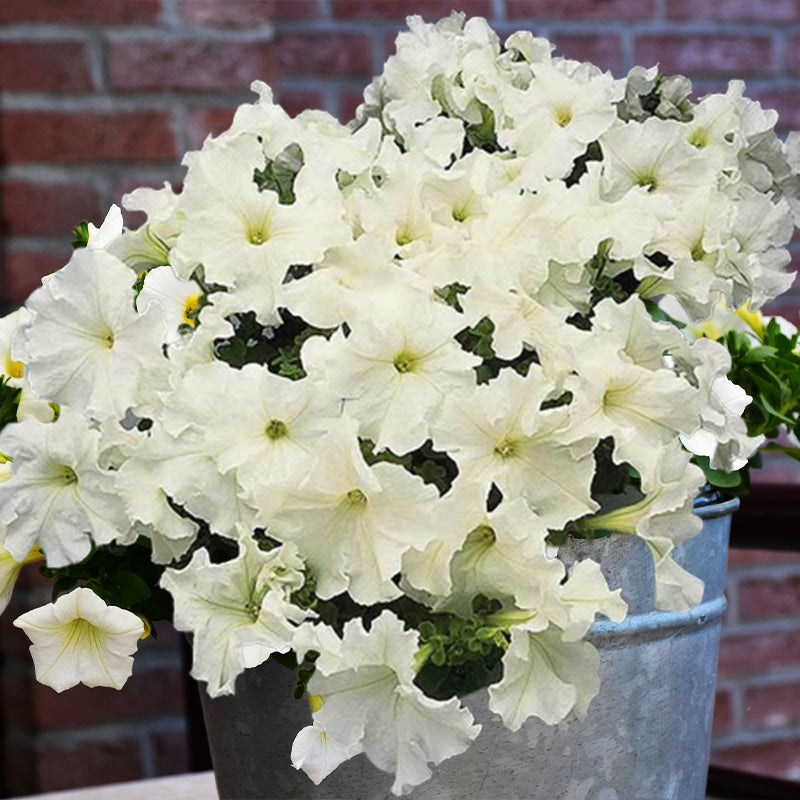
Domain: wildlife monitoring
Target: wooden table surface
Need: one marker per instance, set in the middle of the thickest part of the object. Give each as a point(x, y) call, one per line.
point(196, 786)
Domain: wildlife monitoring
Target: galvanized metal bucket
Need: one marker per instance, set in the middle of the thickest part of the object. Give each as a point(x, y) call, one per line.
point(646, 737)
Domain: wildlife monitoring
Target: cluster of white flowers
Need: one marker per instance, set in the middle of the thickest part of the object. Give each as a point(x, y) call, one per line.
point(471, 262)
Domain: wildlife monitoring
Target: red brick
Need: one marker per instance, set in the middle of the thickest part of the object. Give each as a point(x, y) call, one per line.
point(603, 50)
point(738, 557)
point(709, 54)
point(208, 121)
point(769, 597)
point(758, 652)
point(38, 208)
point(294, 101)
point(146, 694)
point(348, 103)
point(24, 270)
point(65, 137)
point(80, 12)
point(723, 712)
point(779, 759)
point(431, 10)
point(15, 700)
point(18, 775)
point(792, 56)
point(246, 12)
point(38, 66)
point(773, 706)
point(733, 10)
point(171, 753)
point(188, 64)
point(109, 760)
point(615, 10)
point(324, 53)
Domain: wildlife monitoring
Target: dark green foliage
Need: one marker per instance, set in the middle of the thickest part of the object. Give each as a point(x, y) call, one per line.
point(464, 655)
point(278, 175)
point(451, 293)
point(81, 234)
point(432, 466)
point(9, 402)
point(770, 374)
point(478, 340)
point(481, 135)
point(123, 575)
point(278, 348)
point(593, 153)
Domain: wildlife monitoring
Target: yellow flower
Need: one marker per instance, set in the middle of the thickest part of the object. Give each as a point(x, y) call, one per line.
point(9, 571)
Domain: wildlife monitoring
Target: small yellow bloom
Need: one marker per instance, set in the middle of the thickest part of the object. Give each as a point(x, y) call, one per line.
point(315, 701)
point(10, 569)
point(752, 318)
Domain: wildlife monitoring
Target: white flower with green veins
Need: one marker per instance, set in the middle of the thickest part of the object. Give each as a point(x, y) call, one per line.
point(58, 496)
point(370, 700)
point(238, 611)
point(80, 639)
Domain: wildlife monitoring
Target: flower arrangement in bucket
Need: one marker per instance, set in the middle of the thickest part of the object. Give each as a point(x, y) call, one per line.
point(340, 401)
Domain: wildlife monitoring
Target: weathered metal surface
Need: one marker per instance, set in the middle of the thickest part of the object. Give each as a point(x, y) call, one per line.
point(646, 736)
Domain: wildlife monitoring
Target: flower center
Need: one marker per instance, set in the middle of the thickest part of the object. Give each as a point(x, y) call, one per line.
point(276, 429)
point(190, 309)
point(699, 138)
point(483, 535)
point(562, 116)
point(648, 181)
point(356, 497)
point(506, 448)
point(258, 232)
point(65, 475)
point(404, 362)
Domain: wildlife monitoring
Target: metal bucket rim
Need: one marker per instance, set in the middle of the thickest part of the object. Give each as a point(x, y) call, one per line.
point(715, 510)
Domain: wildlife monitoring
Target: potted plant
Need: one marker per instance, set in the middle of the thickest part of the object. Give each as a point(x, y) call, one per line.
point(389, 413)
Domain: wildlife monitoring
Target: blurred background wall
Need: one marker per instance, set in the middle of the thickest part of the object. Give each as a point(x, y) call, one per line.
point(101, 96)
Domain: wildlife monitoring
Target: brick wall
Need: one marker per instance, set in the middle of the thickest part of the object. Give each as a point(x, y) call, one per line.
point(83, 737)
point(757, 715)
point(101, 96)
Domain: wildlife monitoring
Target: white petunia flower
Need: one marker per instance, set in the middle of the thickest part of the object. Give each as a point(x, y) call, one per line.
point(545, 676)
point(499, 434)
point(238, 611)
point(654, 155)
point(246, 239)
point(397, 366)
point(57, 495)
point(80, 639)
point(351, 523)
point(149, 246)
point(370, 701)
point(318, 754)
point(111, 227)
point(271, 439)
point(503, 556)
point(86, 346)
point(664, 519)
point(178, 298)
point(9, 325)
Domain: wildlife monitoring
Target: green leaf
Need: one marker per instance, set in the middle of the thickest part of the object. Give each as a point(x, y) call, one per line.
point(279, 174)
point(9, 401)
point(717, 477)
point(81, 234)
point(481, 135)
